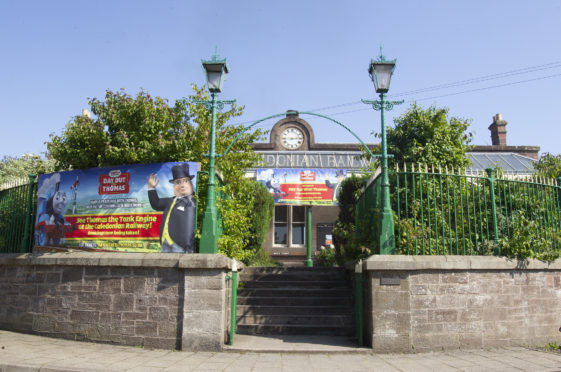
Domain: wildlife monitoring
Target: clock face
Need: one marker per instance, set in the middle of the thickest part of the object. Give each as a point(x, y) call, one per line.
point(292, 138)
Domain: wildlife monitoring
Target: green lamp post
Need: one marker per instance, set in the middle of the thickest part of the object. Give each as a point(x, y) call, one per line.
point(381, 72)
point(216, 70)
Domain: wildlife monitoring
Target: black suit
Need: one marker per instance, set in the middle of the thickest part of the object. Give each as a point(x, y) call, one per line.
point(336, 189)
point(181, 225)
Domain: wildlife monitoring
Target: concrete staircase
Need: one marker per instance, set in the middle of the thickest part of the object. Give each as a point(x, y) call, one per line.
point(294, 301)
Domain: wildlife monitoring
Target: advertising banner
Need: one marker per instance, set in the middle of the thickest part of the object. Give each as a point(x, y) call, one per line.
point(117, 208)
point(303, 186)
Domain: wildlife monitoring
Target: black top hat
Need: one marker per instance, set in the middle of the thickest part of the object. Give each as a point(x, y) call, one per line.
point(180, 171)
point(339, 172)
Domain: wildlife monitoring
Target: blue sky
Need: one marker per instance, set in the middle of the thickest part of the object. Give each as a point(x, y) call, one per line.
point(301, 55)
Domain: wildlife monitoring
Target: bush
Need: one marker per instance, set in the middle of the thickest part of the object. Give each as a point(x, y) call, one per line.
point(344, 233)
point(263, 209)
point(326, 257)
point(13, 215)
point(261, 258)
point(527, 239)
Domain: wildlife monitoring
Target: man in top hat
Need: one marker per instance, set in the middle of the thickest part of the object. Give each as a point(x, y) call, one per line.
point(177, 230)
point(336, 187)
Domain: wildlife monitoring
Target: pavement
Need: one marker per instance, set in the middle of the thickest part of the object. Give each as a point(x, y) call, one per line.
point(27, 353)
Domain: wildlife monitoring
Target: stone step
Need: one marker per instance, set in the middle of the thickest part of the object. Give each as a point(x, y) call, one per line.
point(295, 301)
point(319, 320)
point(291, 274)
point(319, 284)
point(303, 277)
point(292, 277)
point(292, 261)
point(293, 292)
point(294, 329)
point(293, 310)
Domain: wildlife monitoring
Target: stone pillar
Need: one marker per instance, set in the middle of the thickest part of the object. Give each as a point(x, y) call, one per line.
point(388, 311)
point(204, 325)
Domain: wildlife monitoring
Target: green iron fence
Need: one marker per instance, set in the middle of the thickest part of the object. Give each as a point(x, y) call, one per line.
point(17, 215)
point(463, 214)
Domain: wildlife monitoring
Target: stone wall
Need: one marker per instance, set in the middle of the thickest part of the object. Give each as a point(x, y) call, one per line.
point(156, 300)
point(415, 303)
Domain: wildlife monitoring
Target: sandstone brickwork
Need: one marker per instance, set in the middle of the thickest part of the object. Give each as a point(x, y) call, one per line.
point(460, 302)
point(154, 300)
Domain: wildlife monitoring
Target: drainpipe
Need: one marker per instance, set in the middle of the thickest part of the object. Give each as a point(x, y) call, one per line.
point(358, 301)
point(309, 262)
point(233, 302)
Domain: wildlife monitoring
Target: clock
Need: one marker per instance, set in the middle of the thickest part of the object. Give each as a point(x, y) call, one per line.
point(292, 138)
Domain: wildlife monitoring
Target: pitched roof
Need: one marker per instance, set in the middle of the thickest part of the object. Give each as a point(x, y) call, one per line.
point(510, 162)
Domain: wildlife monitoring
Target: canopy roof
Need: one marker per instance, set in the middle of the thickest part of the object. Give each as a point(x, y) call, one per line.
point(508, 161)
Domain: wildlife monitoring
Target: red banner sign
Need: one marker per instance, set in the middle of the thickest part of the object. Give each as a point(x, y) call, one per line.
point(116, 226)
point(114, 183)
point(306, 192)
point(307, 175)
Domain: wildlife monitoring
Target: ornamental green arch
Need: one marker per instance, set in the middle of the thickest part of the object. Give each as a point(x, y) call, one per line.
point(298, 112)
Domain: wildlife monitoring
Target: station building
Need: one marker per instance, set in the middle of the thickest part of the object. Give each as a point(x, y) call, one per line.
point(301, 173)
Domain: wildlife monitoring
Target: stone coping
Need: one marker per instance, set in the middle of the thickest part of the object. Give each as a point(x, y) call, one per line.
point(412, 263)
point(126, 259)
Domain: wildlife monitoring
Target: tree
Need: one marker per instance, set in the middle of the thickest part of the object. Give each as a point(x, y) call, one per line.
point(429, 136)
point(14, 168)
point(549, 165)
point(146, 129)
point(346, 239)
point(126, 130)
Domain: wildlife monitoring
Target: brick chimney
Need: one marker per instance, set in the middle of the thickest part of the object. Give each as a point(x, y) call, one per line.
point(498, 131)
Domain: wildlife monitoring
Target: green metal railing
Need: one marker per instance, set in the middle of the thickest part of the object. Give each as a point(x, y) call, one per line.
point(442, 213)
point(17, 215)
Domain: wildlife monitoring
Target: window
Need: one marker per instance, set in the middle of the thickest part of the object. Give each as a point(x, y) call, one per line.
point(298, 225)
point(290, 226)
point(281, 224)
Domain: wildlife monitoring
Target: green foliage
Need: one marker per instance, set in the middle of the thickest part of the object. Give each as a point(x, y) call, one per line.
point(262, 258)
point(13, 215)
point(549, 166)
point(368, 219)
point(429, 136)
point(326, 257)
point(553, 346)
point(125, 130)
point(263, 209)
point(15, 169)
point(420, 136)
point(344, 233)
point(234, 204)
point(526, 239)
point(440, 214)
point(146, 129)
point(455, 217)
point(415, 236)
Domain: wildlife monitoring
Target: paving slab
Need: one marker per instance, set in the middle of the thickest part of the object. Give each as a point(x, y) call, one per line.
point(295, 344)
point(30, 353)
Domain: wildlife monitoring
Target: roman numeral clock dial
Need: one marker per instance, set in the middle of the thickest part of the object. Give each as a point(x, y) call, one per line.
point(292, 138)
